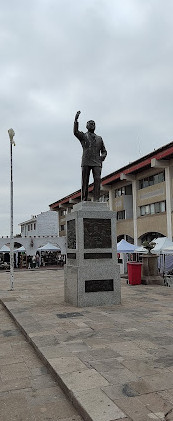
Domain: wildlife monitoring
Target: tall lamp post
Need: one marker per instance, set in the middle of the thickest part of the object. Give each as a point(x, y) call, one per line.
point(11, 135)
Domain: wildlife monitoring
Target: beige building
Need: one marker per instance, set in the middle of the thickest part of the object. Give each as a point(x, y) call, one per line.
point(140, 193)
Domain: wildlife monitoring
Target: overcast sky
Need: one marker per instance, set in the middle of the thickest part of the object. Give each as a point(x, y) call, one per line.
point(111, 59)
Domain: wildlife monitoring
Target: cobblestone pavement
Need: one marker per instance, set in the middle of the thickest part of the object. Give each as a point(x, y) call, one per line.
point(114, 363)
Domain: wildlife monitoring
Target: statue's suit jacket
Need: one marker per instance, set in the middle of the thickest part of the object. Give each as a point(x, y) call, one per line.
point(94, 151)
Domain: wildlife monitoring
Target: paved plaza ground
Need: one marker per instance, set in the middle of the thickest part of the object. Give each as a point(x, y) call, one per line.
point(114, 363)
point(27, 391)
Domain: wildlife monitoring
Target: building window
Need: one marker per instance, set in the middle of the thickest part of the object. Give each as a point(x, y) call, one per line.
point(142, 210)
point(120, 192)
point(34, 226)
point(152, 179)
point(62, 227)
point(28, 227)
point(161, 177)
point(22, 228)
point(146, 182)
point(147, 209)
point(125, 190)
point(153, 208)
point(121, 215)
point(62, 212)
point(104, 197)
point(162, 206)
point(157, 207)
point(31, 227)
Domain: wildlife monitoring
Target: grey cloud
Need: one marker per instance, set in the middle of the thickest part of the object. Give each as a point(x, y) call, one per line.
point(112, 60)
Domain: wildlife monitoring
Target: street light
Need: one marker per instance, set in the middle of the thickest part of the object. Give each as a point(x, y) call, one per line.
point(11, 135)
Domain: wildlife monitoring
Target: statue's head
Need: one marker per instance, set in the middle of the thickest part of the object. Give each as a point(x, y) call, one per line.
point(91, 126)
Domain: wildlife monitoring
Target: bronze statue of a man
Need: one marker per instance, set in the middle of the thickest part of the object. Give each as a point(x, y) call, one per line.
point(94, 153)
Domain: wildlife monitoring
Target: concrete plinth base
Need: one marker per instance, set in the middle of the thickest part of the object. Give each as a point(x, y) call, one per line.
point(91, 273)
point(152, 280)
point(150, 275)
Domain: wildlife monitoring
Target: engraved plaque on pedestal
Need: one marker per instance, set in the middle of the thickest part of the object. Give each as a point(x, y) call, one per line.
point(99, 285)
point(97, 233)
point(91, 274)
point(71, 234)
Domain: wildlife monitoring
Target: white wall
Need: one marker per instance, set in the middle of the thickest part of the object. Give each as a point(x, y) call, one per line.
point(37, 242)
point(47, 223)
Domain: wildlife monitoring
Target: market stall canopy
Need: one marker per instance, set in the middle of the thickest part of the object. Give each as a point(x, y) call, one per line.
point(49, 247)
point(168, 250)
point(140, 249)
point(5, 249)
point(20, 249)
point(124, 247)
point(162, 243)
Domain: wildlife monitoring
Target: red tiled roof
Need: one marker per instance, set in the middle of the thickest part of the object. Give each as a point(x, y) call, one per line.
point(165, 152)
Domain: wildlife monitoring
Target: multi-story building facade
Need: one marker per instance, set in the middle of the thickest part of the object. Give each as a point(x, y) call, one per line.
point(43, 224)
point(140, 193)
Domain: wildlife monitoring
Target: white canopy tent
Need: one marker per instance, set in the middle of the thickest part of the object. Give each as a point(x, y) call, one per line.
point(124, 247)
point(49, 247)
point(140, 249)
point(49, 254)
point(22, 262)
point(166, 262)
point(20, 250)
point(168, 250)
point(5, 249)
point(162, 243)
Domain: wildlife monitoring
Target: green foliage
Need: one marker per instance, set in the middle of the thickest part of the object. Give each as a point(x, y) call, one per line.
point(148, 245)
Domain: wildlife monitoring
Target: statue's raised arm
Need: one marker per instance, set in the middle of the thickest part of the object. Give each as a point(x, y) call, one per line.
point(77, 115)
point(76, 125)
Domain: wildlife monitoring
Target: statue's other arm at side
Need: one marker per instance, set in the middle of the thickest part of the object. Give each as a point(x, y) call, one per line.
point(103, 151)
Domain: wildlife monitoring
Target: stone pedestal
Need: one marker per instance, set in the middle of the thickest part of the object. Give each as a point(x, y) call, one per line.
point(150, 275)
point(91, 272)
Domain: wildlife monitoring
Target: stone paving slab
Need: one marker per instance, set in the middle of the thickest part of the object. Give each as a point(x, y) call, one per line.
point(27, 390)
point(114, 363)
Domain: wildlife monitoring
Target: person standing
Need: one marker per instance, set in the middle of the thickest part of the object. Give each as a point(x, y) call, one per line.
point(34, 261)
point(37, 260)
point(29, 261)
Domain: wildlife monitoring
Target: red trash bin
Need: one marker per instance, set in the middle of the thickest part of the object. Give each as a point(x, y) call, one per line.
point(134, 273)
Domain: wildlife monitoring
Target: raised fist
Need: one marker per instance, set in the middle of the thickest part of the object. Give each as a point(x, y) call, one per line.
point(77, 115)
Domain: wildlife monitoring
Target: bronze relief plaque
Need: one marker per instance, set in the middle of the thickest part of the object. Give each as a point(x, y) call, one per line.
point(99, 285)
point(71, 234)
point(97, 233)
